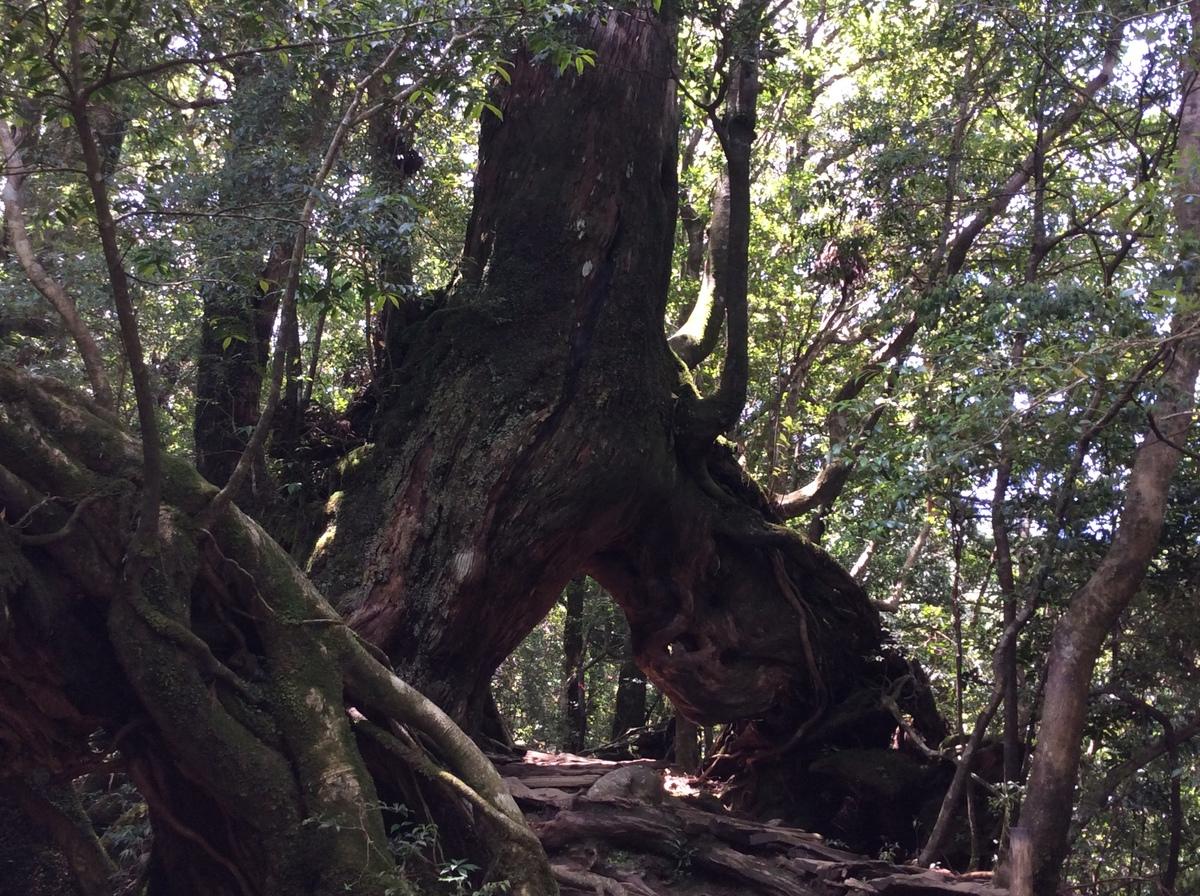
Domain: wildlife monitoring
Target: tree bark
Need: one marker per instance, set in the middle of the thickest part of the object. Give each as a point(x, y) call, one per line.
point(687, 744)
point(536, 426)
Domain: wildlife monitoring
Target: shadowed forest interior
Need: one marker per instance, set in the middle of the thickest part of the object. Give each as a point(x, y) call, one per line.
point(697, 447)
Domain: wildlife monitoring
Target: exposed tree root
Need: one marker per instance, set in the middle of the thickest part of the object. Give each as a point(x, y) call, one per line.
point(241, 698)
point(634, 844)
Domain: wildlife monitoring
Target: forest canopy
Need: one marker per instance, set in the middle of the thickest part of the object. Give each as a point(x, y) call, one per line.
point(797, 396)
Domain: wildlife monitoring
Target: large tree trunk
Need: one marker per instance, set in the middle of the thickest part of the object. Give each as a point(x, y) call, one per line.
point(499, 435)
point(535, 427)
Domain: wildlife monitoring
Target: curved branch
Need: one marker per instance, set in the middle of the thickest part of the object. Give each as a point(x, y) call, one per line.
point(696, 339)
point(720, 411)
point(827, 485)
point(147, 530)
point(372, 682)
point(52, 291)
point(821, 489)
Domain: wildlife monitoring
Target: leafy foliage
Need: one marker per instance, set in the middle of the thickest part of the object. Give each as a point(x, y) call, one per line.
point(886, 131)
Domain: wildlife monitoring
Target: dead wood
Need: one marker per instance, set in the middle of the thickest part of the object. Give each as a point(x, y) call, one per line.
point(622, 845)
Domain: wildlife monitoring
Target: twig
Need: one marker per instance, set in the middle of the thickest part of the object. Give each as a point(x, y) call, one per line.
point(51, 537)
point(267, 49)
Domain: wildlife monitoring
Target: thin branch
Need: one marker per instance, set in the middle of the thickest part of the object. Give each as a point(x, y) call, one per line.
point(231, 212)
point(892, 604)
point(1094, 801)
point(956, 253)
point(42, 539)
point(965, 239)
point(1158, 433)
point(51, 290)
point(266, 49)
point(147, 531)
point(708, 417)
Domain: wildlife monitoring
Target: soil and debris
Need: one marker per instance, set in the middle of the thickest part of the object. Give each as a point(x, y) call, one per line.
point(639, 828)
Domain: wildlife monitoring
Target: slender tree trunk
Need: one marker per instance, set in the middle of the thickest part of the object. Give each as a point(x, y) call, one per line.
point(1008, 593)
point(1169, 875)
point(51, 289)
point(393, 161)
point(574, 647)
point(687, 744)
point(959, 784)
point(630, 711)
point(1095, 608)
point(235, 336)
point(250, 264)
point(314, 358)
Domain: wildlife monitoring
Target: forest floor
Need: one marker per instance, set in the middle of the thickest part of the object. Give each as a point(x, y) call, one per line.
point(639, 829)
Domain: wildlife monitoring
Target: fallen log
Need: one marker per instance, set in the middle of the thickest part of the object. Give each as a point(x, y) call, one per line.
point(640, 844)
